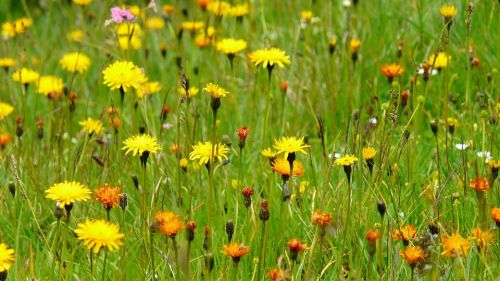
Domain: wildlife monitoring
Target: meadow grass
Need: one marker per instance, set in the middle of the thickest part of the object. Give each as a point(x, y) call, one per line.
point(338, 104)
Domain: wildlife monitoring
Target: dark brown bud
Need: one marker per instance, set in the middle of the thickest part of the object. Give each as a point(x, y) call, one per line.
point(381, 207)
point(264, 210)
point(229, 230)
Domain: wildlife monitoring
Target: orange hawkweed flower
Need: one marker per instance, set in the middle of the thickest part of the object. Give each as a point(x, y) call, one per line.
point(277, 274)
point(168, 223)
point(282, 166)
point(391, 70)
point(495, 214)
point(4, 140)
point(321, 219)
point(405, 233)
point(109, 196)
point(372, 235)
point(296, 246)
point(455, 245)
point(479, 184)
point(235, 251)
point(483, 238)
point(412, 255)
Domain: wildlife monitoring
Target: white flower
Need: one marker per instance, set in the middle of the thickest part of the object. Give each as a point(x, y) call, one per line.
point(486, 155)
point(461, 146)
point(373, 120)
point(432, 71)
point(346, 3)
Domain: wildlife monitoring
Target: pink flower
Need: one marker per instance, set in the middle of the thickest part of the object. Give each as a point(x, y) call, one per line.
point(119, 15)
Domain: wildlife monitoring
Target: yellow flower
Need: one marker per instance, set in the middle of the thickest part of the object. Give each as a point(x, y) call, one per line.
point(76, 35)
point(5, 110)
point(493, 164)
point(483, 238)
point(6, 257)
point(412, 255)
point(282, 166)
point(193, 91)
point(392, 70)
point(215, 91)
point(50, 85)
point(354, 45)
point(448, 11)
point(239, 10)
point(19, 26)
point(219, 8)
point(129, 36)
point(135, 10)
point(7, 62)
point(289, 145)
point(92, 126)
point(346, 160)
point(168, 223)
point(183, 163)
point(455, 245)
point(125, 43)
point(123, 75)
point(192, 25)
point(99, 233)
point(369, 152)
point(231, 46)
point(168, 9)
point(82, 2)
point(269, 57)
point(141, 143)
point(155, 23)
point(75, 62)
point(306, 15)
point(203, 152)
point(25, 76)
point(441, 60)
point(148, 88)
point(201, 40)
point(269, 153)
point(68, 192)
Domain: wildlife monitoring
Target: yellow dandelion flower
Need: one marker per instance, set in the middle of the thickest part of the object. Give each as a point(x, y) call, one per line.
point(440, 61)
point(25, 76)
point(7, 62)
point(155, 23)
point(215, 91)
point(239, 11)
point(123, 75)
point(455, 245)
point(369, 152)
point(192, 25)
point(202, 152)
point(269, 57)
point(6, 257)
point(269, 153)
point(346, 160)
point(289, 145)
point(125, 43)
point(141, 143)
point(98, 234)
point(148, 88)
point(68, 192)
point(5, 110)
point(483, 238)
point(282, 167)
point(193, 91)
point(75, 62)
point(82, 2)
point(306, 15)
point(231, 46)
point(92, 126)
point(50, 85)
point(448, 11)
point(19, 26)
point(219, 8)
point(76, 35)
point(354, 45)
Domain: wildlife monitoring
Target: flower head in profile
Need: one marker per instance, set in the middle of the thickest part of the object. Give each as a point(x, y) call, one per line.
point(269, 153)
point(129, 36)
point(306, 15)
point(235, 251)
point(440, 61)
point(119, 15)
point(139, 144)
point(202, 152)
point(123, 75)
point(82, 2)
point(354, 45)
point(495, 215)
point(448, 12)
point(412, 255)
point(239, 11)
point(321, 219)
point(4, 140)
point(76, 35)
point(92, 126)
point(219, 8)
point(231, 46)
point(6, 62)
point(405, 233)
point(282, 166)
point(98, 234)
point(75, 62)
point(168, 223)
point(372, 235)
point(25, 76)
point(6, 257)
point(108, 196)
point(289, 145)
point(269, 57)
point(155, 23)
point(392, 70)
point(278, 274)
point(5, 110)
point(479, 184)
point(19, 26)
point(483, 238)
point(294, 245)
point(192, 25)
point(346, 160)
point(455, 246)
point(68, 192)
point(193, 91)
point(51, 86)
point(148, 88)
point(215, 91)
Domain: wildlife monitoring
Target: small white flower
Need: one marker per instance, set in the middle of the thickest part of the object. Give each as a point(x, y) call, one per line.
point(432, 71)
point(373, 120)
point(401, 214)
point(346, 3)
point(461, 146)
point(167, 126)
point(486, 155)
